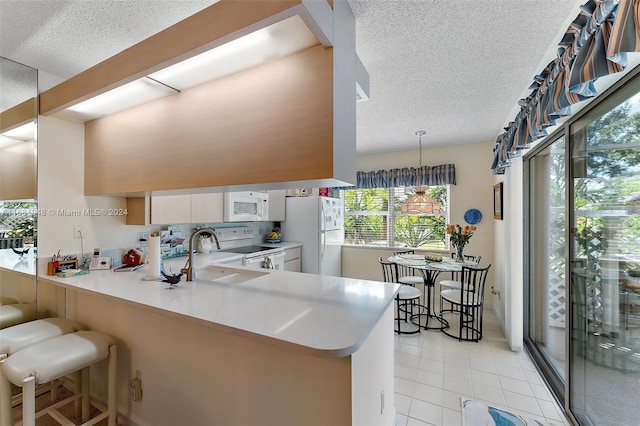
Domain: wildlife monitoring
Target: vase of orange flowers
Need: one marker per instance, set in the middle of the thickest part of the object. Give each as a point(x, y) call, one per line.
point(459, 237)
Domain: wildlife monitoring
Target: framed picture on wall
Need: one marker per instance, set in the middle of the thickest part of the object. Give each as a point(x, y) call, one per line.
point(497, 201)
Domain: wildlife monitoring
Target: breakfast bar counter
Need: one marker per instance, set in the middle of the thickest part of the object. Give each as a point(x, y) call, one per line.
point(302, 311)
point(275, 347)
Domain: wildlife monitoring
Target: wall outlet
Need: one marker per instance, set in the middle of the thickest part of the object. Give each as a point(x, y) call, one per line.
point(78, 231)
point(135, 389)
point(143, 239)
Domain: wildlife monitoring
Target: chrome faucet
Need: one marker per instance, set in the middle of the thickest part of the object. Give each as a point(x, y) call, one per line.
point(188, 267)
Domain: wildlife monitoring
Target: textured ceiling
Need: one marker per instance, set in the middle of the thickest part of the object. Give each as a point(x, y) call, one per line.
point(453, 68)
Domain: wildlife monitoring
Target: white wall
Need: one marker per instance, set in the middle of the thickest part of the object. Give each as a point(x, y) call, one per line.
point(474, 189)
point(509, 243)
point(61, 187)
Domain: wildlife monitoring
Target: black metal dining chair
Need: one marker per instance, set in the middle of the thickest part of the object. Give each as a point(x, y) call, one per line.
point(454, 282)
point(467, 302)
point(406, 274)
point(407, 298)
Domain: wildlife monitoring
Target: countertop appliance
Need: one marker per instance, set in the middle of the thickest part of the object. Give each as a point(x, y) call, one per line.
point(239, 240)
point(246, 206)
point(317, 223)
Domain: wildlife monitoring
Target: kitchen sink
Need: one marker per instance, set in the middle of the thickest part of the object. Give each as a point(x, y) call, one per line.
point(226, 275)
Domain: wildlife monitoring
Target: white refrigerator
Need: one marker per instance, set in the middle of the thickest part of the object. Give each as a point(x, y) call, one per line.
point(317, 223)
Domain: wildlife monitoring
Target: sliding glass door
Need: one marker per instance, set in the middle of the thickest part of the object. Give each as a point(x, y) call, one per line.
point(547, 310)
point(605, 261)
point(582, 280)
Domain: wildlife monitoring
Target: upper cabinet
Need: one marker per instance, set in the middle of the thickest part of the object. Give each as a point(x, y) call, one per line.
point(175, 209)
point(288, 121)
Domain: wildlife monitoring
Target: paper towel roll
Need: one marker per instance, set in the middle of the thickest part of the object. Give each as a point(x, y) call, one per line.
point(154, 258)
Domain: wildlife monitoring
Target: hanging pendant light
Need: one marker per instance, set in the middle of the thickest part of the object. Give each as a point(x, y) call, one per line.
point(420, 202)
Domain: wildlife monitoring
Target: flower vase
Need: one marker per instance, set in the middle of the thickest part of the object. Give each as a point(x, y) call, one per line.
point(459, 256)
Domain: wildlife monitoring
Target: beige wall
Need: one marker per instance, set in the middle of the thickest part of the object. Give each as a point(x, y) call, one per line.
point(474, 189)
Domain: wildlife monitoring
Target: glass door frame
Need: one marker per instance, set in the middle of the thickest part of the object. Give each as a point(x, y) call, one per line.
point(552, 379)
point(610, 97)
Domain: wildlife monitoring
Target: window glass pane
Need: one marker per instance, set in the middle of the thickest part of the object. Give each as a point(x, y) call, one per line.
point(605, 351)
point(365, 219)
point(379, 217)
point(547, 307)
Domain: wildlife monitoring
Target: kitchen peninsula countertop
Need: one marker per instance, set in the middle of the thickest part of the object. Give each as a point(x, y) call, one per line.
point(319, 315)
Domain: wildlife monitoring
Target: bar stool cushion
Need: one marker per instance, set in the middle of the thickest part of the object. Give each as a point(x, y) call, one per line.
point(16, 313)
point(20, 336)
point(408, 292)
point(57, 357)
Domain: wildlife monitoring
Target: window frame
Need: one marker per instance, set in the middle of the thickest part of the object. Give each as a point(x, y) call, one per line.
point(391, 216)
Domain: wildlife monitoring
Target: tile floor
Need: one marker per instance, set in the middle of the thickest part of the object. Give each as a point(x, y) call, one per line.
point(432, 372)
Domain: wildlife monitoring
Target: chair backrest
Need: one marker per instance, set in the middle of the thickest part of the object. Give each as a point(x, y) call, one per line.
point(389, 271)
point(405, 271)
point(469, 257)
point(395, 253)
point(473, 281)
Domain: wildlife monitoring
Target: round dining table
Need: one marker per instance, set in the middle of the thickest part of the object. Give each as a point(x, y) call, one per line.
point(430, 271)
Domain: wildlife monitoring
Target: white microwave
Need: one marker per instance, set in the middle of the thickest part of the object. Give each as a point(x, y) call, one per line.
point(246, 206)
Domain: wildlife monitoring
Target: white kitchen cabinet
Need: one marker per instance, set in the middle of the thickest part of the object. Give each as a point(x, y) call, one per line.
point(175, 209)
point(292, 259)
point(170, 209)
point(277, 205)
point(207, 208)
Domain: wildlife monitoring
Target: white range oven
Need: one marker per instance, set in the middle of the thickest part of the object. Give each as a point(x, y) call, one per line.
point(238, 240)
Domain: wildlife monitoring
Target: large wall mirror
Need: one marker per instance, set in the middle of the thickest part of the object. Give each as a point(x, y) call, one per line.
point(18, 193)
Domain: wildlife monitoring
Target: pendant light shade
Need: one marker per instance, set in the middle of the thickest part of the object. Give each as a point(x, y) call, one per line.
point(420, 202)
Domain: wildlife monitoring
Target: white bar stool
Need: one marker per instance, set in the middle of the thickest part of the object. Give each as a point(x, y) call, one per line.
point(57, 357)
point(20, 336)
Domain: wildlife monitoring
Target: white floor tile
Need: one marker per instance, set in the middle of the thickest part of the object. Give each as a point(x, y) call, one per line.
point(401, 420)
point(484, 378)
point(428, 393)
point(402, 403)
point(533, 377)
point(521, 402)
point(410, 349)
point(433, 372)
point(425, 412)
point(512, 373)
point(430, 378)
point(431, 365)
point(541, 392)
point(482, 363)
point(432, 354)
point(404, 386)
point(460, 359)
point(406, 359)
point(415, 422)
point(489, 394)
point(451, 400)
point(459, 371)
point(405, 372)
point(517, 386)
point(451, 417)
point(506, 359)
point(460, 386)
point(549, 410)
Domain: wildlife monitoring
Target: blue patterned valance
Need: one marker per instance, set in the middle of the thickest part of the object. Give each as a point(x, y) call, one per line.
point(595, 44)
point(443, 174)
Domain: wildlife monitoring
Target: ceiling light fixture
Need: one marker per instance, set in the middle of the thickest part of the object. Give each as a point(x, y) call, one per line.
point(420, 203)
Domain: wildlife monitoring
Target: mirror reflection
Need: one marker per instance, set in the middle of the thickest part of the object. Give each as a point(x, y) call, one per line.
point(18, 206)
